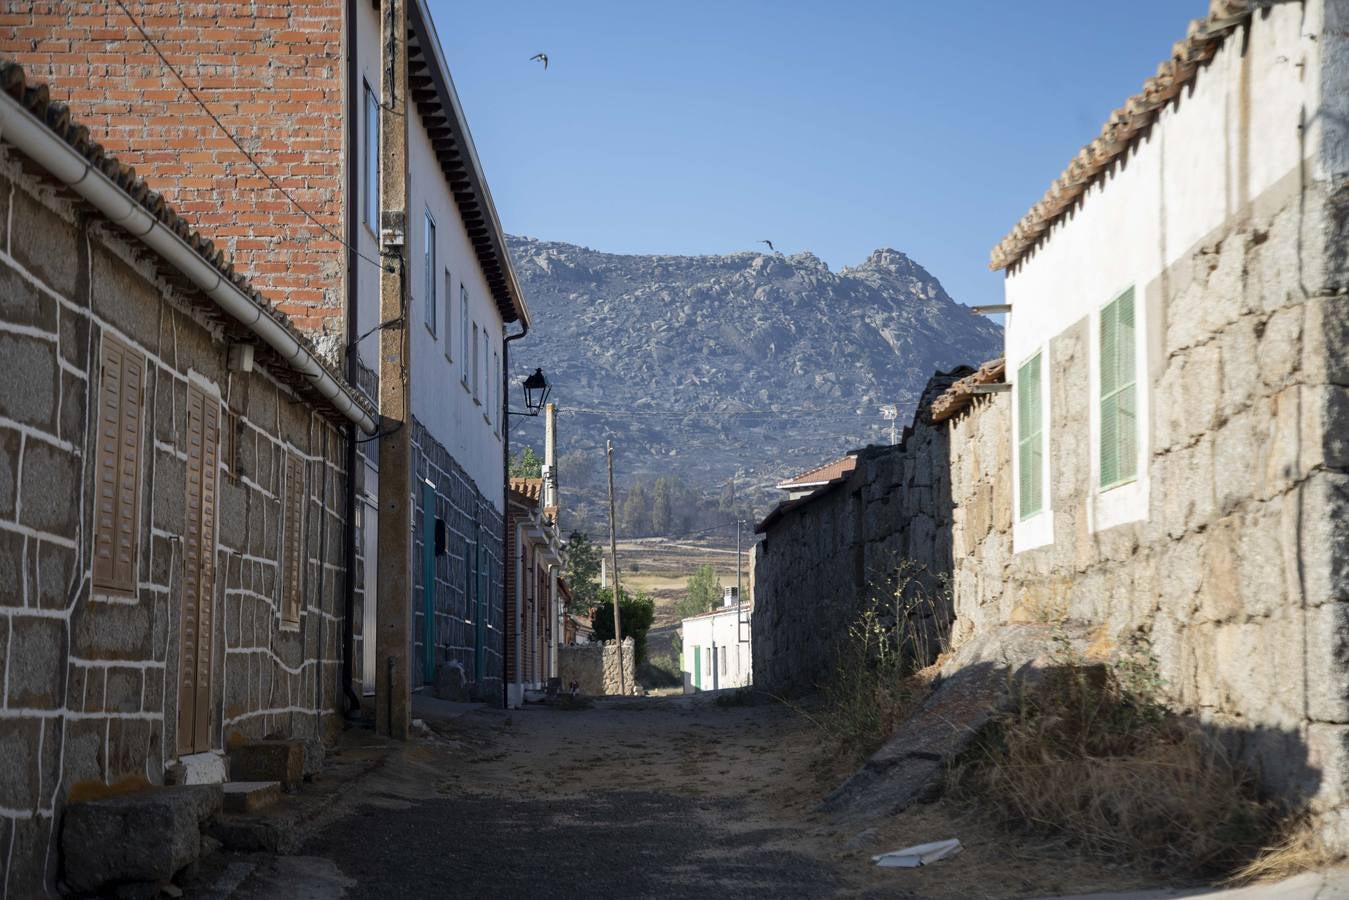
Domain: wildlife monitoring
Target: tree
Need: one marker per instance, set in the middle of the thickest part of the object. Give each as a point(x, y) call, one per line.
point(636, 518)
point(701, 594)
point(526, 464)
point(661, 506)
point(635, 614)
point(581, 570)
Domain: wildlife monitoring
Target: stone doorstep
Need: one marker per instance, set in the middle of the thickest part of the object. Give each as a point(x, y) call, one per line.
point(282, 761)
point(283, 826)
point(250, 796)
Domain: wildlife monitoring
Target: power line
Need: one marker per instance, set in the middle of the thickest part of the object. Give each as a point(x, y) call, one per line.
point(235, 141)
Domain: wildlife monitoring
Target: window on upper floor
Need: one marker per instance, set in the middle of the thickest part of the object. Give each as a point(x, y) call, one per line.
point(476, 397)
point(1119, 393)
point(449, 316)
point(1030, 438)
point(370, 171)
point(486, 390)
point(463, 331)
point(496, 380)
point(432, 273)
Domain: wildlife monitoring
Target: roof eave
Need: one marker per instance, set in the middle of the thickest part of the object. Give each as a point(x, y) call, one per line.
point(1124, 127)
point(513, 306)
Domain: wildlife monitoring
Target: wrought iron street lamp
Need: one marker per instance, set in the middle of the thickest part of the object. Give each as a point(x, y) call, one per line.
point(536, 389)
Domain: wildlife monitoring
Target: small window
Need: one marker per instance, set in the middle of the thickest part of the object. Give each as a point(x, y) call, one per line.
point(463, 330)
point(485, 393)
point(496, 390)
point(725, 670)
point(292, 538)
point(120, 410)
point(432, 274)
point(1119, 394)
point(449, 317)
point(476, 397)
point(370, 213)
point(1030, 437)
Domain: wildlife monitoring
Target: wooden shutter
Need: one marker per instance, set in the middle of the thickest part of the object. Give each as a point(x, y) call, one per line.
point(292, 538)
point(120, 411)
point(1119, 421)
point(202, 427)
point(1030, 437)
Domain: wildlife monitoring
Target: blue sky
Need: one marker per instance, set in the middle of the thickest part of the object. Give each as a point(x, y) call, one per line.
point(835, 127)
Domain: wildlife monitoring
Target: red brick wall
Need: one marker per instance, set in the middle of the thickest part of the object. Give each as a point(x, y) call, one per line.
point(271, 70)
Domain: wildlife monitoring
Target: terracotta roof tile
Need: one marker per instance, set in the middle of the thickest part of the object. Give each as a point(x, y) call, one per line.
point(527, 489)
point(830, 471)
point(957, 397)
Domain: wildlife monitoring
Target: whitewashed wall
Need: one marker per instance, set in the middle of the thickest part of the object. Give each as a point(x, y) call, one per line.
point(1196, 169)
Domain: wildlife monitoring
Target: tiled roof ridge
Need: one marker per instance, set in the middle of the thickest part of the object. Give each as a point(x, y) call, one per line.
point(1201, 41)
point(958, 396)
point(804, 477)
point(530, 489)
point(56, 116)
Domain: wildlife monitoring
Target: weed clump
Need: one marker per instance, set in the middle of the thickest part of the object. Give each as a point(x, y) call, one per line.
point(878, 680)
point(1091, 754)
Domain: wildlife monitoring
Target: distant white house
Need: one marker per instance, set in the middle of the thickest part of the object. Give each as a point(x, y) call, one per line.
point(717, 647)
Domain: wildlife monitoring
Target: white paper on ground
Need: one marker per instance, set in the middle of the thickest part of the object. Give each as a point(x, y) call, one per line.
point(918, 855)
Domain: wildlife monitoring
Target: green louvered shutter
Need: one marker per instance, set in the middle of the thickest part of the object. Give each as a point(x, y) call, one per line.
point(1030, 437)
point(1119, 391)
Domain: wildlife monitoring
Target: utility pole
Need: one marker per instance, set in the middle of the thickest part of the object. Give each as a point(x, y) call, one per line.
point(613, 555)
point(393, 629)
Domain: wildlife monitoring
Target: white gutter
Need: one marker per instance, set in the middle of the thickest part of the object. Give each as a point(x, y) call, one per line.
point(38, 142)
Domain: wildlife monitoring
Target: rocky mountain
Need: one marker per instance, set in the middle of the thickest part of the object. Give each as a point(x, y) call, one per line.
point(702, 366)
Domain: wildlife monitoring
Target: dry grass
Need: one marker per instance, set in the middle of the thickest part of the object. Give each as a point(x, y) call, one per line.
point(882, 671)
point(1299, 848)
point(1086, 758)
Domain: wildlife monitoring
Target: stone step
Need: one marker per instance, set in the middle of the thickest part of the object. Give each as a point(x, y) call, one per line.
point(269, 760)
point(250, 796)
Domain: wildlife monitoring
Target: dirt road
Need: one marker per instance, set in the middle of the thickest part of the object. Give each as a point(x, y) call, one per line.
point(652, 798)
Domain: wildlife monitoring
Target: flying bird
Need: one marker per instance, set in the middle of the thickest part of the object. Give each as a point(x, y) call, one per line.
point(770, 245)
point(541, 57)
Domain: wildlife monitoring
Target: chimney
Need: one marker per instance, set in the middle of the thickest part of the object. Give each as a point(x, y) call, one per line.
point(550, 498)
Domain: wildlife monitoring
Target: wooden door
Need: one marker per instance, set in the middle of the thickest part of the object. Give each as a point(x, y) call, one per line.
point(198, 614)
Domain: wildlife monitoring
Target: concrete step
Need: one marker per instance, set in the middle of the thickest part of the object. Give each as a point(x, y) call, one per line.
point(250, 796)
point(268, 760)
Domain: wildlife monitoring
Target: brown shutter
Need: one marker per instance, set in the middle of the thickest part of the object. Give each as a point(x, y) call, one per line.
point(292, 539)
point(189, 663)
point(121, 387)
point(199, 517)
point(206, 580)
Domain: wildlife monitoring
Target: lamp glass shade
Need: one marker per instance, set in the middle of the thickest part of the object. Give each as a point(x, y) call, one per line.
point(536, 391)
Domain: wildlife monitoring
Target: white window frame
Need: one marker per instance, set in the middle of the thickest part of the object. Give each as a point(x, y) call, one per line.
point(430, 302)
point(463, 331)
point(476, 366)
point(1036, 530)
point(370, 170)
point(496, 382)
point(449, 316)
point(1123, 503)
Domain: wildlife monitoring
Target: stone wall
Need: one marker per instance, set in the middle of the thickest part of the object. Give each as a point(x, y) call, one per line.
point(1237, 575)
point(828, 556)
point(90, 680)
point(473, 524)
point(595, 667)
